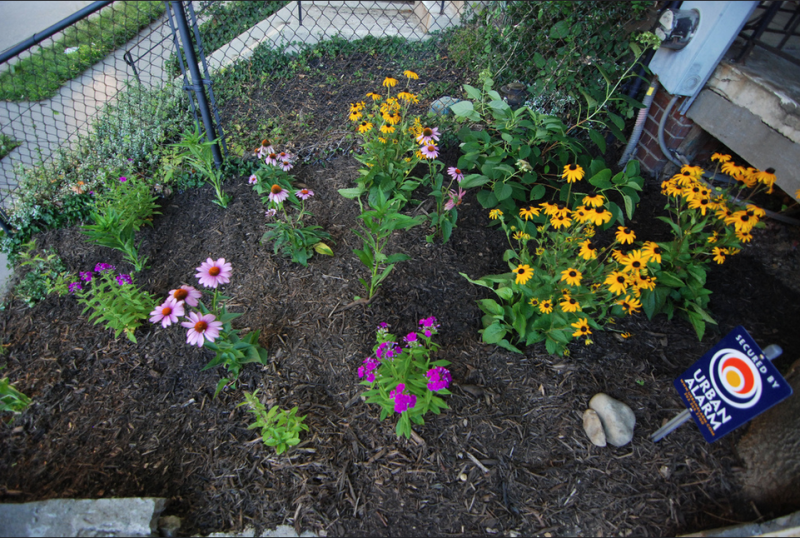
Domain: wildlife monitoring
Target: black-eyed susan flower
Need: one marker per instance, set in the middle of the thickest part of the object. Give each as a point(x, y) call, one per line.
point(671, 188)
point(529, 212)
point(582, 328)
point(561, 211)
point(374, 96)
point(733, 251)
point(723, 212)
point(684, 178)
point(534, 302)
point(523, 272)
point(410, 75)
point(602, 217)
point(588, 250)
point(744, 237)
point(573, 173)
point(754, 210)
point(625, 235)
point(617, 255)
point(741, 221)
point(559, 222)
point(408, 97)
point(365, 127)
point(719, 255)
point(549, 209)
point(595, 200)
point(570, 304)
point(589, 231)
point(521, 236)
point(696, 171)
point(626, 335)
point(617, 282)
point(630, 305)
point(692, 191)
point(580, 214)
point(571, 276)
point(767, 177)
point(355, 116)
point(546, 306)
point(392, 118)
point(387, 129)
point(389, 82)
point(700, 203)
point(495, 214)
point(635, 261)
point(652, 251)
point(720, 157)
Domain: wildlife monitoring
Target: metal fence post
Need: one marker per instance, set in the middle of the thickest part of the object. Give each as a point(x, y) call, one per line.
point(197, 79)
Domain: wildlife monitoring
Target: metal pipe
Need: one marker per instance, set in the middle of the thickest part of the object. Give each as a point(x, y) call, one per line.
point(639, 125)
point(197, 79)
point(661, 144)
point(35, 39)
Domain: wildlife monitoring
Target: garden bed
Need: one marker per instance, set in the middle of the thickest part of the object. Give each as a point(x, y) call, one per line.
point(115, 419)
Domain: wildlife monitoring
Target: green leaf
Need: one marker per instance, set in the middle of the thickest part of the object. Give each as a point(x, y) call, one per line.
point(490, 306)
point(560, 30)
point(322, 248)
point(352, 193)
point(493, 333)
point(537, 192)
point(590, 101)
point(629, 206)
point(505, 344)
point(598, 139)
point(601, 179)
point(505, 293)
point(669, 279)
point(502, 191)
point(397, 257)
point(465, 109)
point(474, 180)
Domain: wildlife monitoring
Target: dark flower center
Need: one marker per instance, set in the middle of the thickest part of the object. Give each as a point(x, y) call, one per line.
point(276, 189)
point(572, 301)
point(636, 264)
point(431, 148)
point(180, 294)
point(266, 142)
point(200, 326)
point(273, 156)
point(166, 311)
point(573, 167)
point(573, 274)
point(584, 328)
point(770, 170)
point(657, 250)
point(621, 279)
point(626, 231)
point(745, 217)
point(427, 132)
point(214, 271)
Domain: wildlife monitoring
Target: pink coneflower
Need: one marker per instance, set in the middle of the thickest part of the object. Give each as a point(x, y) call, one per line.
point(430, 151)
point(168, 313)
point(186, 294)
point(286, 165)
point(201, 328)
point(455, 199)
point(213, 273)
point(269, 213)
point(304, 194)
point(272, 158)
point(455, 173)
point(283, 156)
point(428, 136)
point(253, 179)
point(278, 194)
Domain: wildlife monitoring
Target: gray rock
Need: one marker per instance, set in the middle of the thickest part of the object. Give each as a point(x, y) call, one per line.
point(442, 105)
point(169, 525)
point(70, 517)
point(617, 418)
point(594, 427)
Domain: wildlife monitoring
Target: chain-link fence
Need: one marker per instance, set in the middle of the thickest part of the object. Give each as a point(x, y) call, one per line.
point(104, 90)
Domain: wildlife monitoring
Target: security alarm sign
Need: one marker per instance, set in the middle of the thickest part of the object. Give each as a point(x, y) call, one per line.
point(730, 385)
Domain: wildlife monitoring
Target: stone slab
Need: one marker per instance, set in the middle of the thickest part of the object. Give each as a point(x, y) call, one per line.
point(747, 135)
point(782, 526)
point(72, 517)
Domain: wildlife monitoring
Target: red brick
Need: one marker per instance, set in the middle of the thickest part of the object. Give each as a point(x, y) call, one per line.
point(662, 98)
point(650, 163)
point(678, 132)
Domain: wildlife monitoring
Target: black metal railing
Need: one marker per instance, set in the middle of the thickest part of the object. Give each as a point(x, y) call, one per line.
point(775, 27)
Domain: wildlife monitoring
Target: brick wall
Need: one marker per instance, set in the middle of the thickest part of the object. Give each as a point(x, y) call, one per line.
point(677, 127)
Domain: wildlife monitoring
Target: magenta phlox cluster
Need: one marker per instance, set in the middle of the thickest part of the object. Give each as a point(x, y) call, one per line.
point(402, 402)
point(100, 267)
point(75, 286)
point(429, 326)
point(86, 276)
point(388, 350)
point(438, 378)
point(367, 369)
point(124, 279)
point(412, 340)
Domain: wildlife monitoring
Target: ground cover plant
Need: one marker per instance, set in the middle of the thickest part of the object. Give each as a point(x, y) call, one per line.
point(40, 75)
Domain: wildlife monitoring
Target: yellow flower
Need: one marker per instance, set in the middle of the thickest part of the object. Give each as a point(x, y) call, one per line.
point(549, 209)
point(529, 213)
point(534, 302)
point(742, 221)
point(573, 173)
point(558, 222)
point(381, 140)
point(684, 178)
point(582, 327)
point(572, 276)
point(719, 255)
point(652, 251)
point(797, 194)
point(635, 261)
point(411, 75)
point(364, 127)
point(626, 335)
point(521, 236)
point(392, 118)
point(589, 231)
point(723, 213)
point(387, 128)
point(546, 306)
point(408, 97)
point(581, 215)
point(601, 217)
point(523, 272)
point(754, 210)
point(355, 107)
point(733, 251)
point(714, 237)
point(701, 203)
point(540, 250)
point(596, 200)
point(570, 304)
point(355, 116)
point(696, 171)
point(625, 235)
point(721, 157)
point(671, 188)
point(744, 237)
point(375, 96)
point(588, 251)
point(617, 282)
point(630, 304)
point(767, 177)
point(617, 255)
point(495, 214)
point(389, 82)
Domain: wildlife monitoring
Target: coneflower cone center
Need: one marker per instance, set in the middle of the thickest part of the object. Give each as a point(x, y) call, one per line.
point(166, 311)
point(214, 271)
point(276, 189)
point(426, 132)
point(180, 295)
point(200, 326)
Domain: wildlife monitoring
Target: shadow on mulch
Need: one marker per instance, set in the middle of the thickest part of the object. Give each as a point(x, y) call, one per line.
point(111, 418)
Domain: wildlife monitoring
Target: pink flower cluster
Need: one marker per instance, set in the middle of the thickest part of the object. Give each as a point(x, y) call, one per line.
point(438, 378)
point(402, 402)
point(367, 369)
point(388, 350)
point(210, 274)
point(429, 326)
point(284, 160)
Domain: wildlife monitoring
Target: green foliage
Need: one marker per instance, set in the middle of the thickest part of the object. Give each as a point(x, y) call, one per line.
point(7, 145)
point(375, 228)
point(555, 47)
point(121, 212)
point(40, 75)
point(11, 400)
point(198, 153)
point(404, 369)
point(279, 429)
point(47, 275)
point(55, 193)
point(122, 307)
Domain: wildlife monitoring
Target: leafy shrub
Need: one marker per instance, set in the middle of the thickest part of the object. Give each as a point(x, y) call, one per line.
point(280, 429)
point(12, 400)
point(47, 275)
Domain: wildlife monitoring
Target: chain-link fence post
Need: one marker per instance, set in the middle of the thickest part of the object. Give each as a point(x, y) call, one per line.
point(197, 82)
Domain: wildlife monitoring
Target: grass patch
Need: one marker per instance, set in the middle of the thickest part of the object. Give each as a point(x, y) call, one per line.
point(40, 75)
point(7, 145)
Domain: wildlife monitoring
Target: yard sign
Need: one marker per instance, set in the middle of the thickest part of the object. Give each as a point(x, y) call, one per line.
point(730, 385)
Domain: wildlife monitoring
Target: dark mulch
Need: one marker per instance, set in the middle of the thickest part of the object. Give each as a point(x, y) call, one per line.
point(114, 419)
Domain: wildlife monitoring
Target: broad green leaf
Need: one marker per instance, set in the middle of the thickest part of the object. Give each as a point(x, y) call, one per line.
point(493, 333)
point(598, 139)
